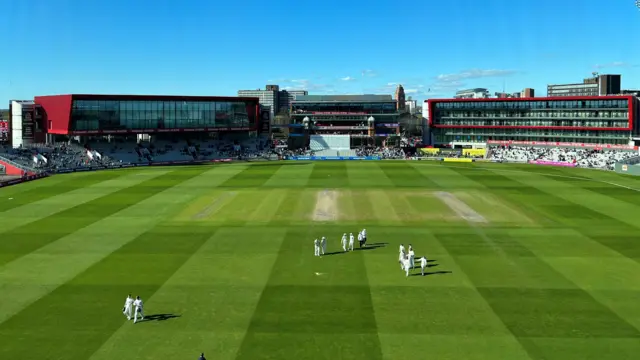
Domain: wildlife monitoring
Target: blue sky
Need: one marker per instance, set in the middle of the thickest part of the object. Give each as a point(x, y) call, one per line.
point(328, 47)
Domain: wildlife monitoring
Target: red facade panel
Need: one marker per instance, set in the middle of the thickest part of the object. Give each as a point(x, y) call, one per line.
point(56, 113)
point(631, 103)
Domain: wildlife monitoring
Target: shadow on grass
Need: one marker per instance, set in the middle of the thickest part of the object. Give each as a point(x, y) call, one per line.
point(160, 317)
point(432, 273)
point(367, 247)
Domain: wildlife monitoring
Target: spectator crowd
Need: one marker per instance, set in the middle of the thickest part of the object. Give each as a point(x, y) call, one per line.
point(585, 158)
point(382, 152)
point(41, 157)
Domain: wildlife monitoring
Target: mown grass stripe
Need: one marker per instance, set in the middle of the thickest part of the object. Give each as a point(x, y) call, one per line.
point(25, 239)
point(253, 176)
point(297, 306)
point(32, 276)
point(54, 188)
point(404, 175)
point(74, 320)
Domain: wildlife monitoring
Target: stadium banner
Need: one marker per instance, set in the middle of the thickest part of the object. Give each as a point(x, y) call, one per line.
point(562, 144)
point(429, 151)
point(313, 158)
point(22, 180)
point(552, 163)
point(465, 160)
point(474, 152)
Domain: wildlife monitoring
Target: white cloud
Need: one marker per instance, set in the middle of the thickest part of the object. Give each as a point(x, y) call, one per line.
point(368, 72)
point(347, 78)
point(304, 84)
point(612, 64)
point(392, 84)
point(410, 91)
point(448, 82)
point(473, 74)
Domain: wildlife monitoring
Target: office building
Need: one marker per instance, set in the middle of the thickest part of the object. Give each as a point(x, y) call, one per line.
point(598, 85)
point(477, 93)
point(272, 98)
point(400, 98)
point(595, 120)
point(411, 106)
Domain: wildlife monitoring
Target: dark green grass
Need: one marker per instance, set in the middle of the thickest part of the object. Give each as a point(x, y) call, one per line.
point(240, 291)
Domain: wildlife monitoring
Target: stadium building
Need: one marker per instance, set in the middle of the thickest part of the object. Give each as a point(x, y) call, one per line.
point(596, 120)
point(347, 121)
point(58, 117)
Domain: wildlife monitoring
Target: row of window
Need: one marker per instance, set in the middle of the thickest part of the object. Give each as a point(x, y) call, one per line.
point(446, 139)
point(225, 106)
point(535, 114)
point(540, 104)
point(227, 116)
point(339, 118)
point(368, 108)
point(577, 123)
point(532, 132)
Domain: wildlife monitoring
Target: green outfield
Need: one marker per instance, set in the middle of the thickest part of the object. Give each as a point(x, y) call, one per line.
point(526, 263)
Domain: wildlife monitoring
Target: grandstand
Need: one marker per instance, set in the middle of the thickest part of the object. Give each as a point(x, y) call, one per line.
point(352, 120)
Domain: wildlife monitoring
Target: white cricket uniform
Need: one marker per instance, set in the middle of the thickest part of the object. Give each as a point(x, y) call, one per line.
point(316, 248)
point(407, 266)
point(412, 258)
point(402, 251)
point(324, 245)
point(401, 261)
point(423, 264)
point(138, 305)
point(344, 242)
point(351, 240)
point(127, 308)
point(364, 234)
point(360, 239)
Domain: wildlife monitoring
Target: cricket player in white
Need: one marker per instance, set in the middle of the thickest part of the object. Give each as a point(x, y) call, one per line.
point(360, 239)
point(138, 305)
point(126, 309)
point(412, 258)
point(316, 247)
point(401, 258)
point(344, 242)
point(323, 242)
point(351, 240)
point(364, 235)
point(407, 265)
point(423, 264)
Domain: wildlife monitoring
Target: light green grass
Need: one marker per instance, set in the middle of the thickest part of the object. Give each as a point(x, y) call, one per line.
point(224, 254)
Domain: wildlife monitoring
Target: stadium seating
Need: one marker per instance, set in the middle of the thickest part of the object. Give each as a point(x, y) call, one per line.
point(587, 158)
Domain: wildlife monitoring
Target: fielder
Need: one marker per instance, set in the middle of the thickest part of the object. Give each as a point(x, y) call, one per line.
point(423, 264)
point(138, 304)
point(360, 239)
point(351, 240)
point(364, 236)
point(323, 243)
point(401, 259)
point(407, 265)
point(344, 242)
point(126, 309)
point(316, 248)
point(412, 257)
